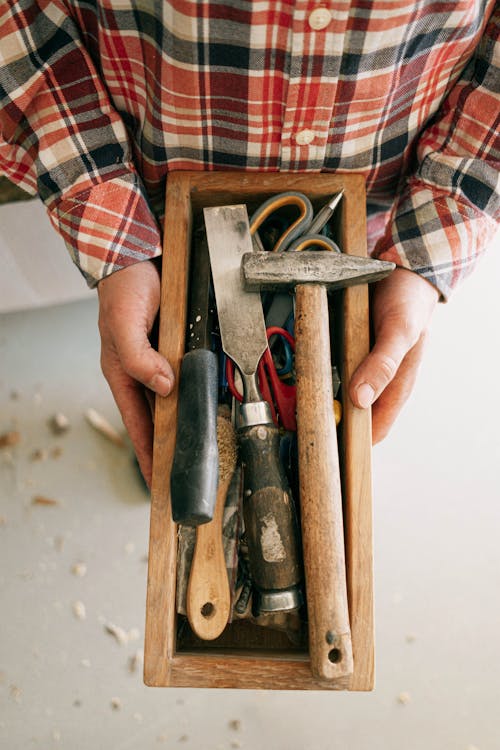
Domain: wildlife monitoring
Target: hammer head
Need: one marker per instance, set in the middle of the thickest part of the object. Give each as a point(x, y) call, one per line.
point(278, 271)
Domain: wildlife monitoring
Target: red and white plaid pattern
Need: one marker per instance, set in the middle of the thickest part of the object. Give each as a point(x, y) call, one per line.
point(101, 100)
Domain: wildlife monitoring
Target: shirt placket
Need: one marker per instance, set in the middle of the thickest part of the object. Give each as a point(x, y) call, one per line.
point(316, 45)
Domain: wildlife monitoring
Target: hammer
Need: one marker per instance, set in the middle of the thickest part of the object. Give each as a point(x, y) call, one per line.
point(312, 273)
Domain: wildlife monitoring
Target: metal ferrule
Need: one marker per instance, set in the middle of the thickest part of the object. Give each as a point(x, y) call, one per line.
point(254, 413)
point(278, 601)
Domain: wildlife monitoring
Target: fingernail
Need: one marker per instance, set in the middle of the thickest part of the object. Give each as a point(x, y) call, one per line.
point(161, 385)
point(365, 394)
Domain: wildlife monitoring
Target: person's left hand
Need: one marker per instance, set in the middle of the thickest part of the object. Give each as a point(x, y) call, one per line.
point(401, 309)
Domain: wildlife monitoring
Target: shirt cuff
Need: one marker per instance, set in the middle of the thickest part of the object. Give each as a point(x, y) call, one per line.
point(107, 226)
point(435, 235)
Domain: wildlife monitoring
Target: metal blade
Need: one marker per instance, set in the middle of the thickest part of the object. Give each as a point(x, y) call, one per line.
point(241, 318)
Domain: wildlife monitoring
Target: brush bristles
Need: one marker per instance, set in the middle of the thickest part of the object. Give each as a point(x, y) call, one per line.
point(226, 441)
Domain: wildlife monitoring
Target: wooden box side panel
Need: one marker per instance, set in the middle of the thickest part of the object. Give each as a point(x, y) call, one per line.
point(187, 193)
point(160, 602)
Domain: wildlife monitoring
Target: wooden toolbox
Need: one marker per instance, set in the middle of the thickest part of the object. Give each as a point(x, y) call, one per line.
point(246, 655)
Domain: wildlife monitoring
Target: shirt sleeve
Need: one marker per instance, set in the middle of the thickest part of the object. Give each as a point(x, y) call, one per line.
point(61, 138)
point(448, 211)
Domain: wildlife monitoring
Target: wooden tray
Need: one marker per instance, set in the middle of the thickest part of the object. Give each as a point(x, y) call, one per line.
point(247, 656)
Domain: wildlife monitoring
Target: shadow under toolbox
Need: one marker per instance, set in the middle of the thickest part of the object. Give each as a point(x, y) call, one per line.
point(305, 650)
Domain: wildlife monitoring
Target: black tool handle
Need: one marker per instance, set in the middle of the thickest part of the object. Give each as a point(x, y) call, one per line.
point(270, 519)
point(194, 477)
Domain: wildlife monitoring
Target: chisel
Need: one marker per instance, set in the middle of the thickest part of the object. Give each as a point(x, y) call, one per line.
point(270, 522)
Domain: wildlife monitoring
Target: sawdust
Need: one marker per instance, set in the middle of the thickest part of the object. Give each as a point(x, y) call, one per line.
point(79, 569)
point(59, 423)
point(39, 454)
point(10, 438)
point(15, 693)
point(79, 610)
point(116, 704)
point(404, 698)
point(234, 724)
point(43, 500)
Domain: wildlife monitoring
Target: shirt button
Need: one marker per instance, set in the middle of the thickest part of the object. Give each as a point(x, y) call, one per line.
point(305, 137)
point(319, 19)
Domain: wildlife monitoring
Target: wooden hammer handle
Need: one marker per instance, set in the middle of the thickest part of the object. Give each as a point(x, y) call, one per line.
point(330, 646)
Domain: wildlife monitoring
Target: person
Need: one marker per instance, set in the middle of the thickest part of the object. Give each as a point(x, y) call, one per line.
point(100, 101)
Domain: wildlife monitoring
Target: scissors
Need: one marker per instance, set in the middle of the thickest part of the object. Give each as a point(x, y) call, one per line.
point(300, 234)
point(280, 396)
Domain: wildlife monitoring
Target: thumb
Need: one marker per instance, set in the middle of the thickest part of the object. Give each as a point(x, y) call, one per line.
point(139, 360)
point(380, 366)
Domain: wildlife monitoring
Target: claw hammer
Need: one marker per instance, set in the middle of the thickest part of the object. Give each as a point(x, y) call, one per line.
point(311, 274)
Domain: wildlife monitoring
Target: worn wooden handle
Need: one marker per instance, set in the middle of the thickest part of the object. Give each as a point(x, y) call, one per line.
point(330, 646)
point(208, 594)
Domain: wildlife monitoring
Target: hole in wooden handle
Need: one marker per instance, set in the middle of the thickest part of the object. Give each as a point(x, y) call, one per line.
point(335, 655)
point(208, 610)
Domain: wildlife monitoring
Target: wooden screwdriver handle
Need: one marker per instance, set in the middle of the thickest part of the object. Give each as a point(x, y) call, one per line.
point(330, 646)
point(208, 595)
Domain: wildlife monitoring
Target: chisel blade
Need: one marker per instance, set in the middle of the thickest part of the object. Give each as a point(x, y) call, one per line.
point(241, 318)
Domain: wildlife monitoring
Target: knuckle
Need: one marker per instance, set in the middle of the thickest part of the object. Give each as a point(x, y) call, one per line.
point(388, 367)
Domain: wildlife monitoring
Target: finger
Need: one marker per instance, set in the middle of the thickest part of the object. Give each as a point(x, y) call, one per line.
point(387, 407)
point(135, 412)
point(379, 367)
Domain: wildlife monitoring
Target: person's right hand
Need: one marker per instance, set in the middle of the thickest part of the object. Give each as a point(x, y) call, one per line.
point(129, 301)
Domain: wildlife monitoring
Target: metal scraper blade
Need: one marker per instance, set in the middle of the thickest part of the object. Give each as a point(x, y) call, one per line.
point(241, 318)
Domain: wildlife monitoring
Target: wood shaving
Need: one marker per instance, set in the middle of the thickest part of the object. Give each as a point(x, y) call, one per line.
point(102, 425)
point(8, 439)
point(404, 698)
point(234, 724)
point(183, 738)
point(236, 743)
point(79, 610)
point(116, 704)
point(59, 423)
point(79, 569)
point(56, 452)
point(134, 634)
point(135, 661)
point(411, 638)
point(43, 500)
point(117, 632)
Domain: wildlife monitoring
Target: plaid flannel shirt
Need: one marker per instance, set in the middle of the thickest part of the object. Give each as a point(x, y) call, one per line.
point(101, 99)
